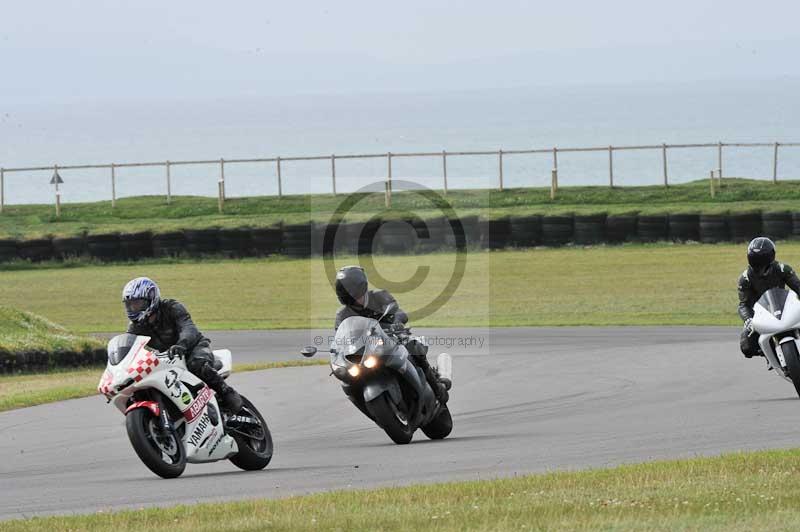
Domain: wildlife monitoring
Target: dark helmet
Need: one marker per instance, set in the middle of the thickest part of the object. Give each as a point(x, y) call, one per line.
point(351, 284)
point(761, 254)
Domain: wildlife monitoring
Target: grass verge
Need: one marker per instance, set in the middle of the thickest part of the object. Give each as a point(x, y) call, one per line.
point(661, 284)
point(733, 492)
point(192, 212)
point(25, 331)
point(19, 391)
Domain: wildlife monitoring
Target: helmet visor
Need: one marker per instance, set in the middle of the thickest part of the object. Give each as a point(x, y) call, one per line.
point(136, 305)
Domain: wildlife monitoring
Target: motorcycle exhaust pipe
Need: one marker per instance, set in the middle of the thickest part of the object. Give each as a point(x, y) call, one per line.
point(444, 366)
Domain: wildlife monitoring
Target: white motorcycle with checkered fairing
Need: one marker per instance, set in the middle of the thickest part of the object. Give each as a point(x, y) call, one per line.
point(172, 417)
point(776, 320)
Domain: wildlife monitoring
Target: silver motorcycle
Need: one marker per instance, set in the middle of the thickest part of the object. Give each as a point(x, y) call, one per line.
point(380, 380)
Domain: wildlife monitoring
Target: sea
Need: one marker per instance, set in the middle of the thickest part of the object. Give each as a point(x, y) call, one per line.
point(320, 124)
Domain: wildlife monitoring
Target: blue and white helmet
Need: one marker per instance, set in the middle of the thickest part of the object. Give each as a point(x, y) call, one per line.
point(140, 297)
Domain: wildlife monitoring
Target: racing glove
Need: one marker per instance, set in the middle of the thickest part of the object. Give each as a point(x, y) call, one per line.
point(748, 326)
point(176, 351)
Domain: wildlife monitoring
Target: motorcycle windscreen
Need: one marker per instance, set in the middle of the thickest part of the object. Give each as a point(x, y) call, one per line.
point(119, 347)
point(351, 335)
point(773, 300)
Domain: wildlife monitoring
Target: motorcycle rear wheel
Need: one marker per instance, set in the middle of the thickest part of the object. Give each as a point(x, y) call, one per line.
point(386, 415)
point(255, 450)
point(792, 358)
point(163, 454)
point(440, 426)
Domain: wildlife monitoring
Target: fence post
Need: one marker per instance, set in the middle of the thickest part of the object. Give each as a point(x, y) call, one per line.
point(719, 161)
point(775, 164)
point(444, 170)
point(389, 181)
point(58, 194)
point(333, 173)
point(2, 189)
point(553, 183)
point(711, 180)
point(220, 195)
point(664, 160)
point(113, 185)
point(169, 183)
point(222, 175)
point(611, 167)
point(500, 163)
point(555, 159)
point(280, 186)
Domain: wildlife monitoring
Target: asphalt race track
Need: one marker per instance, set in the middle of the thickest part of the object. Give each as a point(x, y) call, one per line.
point(525, 400)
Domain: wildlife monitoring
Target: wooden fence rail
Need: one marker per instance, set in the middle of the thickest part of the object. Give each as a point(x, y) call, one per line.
point(500, 154)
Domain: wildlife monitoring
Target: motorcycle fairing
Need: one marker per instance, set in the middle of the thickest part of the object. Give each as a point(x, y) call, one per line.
point(777, 311)
point(141, 369)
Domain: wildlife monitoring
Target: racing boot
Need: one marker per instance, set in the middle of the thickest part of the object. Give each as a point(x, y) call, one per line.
point(439, 388)
point(230, 398)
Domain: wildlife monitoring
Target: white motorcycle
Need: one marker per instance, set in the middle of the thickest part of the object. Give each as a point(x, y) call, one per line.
point(172, 417)
point(776, 320)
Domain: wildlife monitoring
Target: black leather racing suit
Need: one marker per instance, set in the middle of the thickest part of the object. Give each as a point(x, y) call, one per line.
point(173, 325)
point(751, 287)
point(377, 301)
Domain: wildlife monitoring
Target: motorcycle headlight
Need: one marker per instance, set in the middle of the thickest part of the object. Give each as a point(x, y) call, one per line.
point(371, 362)
point(354, 371)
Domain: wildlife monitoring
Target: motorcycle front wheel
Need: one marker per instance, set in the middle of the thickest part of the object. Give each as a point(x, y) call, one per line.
point(161, 451)
point(390, 419)
point(792, 358)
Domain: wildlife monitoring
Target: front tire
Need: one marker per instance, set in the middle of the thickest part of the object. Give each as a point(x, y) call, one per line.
point(387, 416)
point(792, 359)
point(255, 443)
point(161, 452)
point(440, 426)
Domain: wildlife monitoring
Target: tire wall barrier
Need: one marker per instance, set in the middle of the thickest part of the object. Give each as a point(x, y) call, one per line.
point(409, 236)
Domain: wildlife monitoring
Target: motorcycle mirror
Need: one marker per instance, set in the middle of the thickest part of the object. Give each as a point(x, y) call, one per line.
point(391, 307)
point(308, 351)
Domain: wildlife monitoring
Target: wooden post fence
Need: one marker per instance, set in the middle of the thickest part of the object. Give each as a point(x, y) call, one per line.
point(222, 176)
point(444, 154)
point(169, 184)
point(711, 181)
point(113, 186)
point(444, 170)
point(389, 181)
point(775, 164)
point(333, 173)
point(500, 165)
point(280, 186)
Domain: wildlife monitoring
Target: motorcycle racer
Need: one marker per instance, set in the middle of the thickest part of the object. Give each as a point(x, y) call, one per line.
point(763, 273)
point(352, 290)
point(171, 329)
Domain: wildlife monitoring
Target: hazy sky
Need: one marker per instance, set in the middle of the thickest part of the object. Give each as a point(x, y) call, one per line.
point(63, 50)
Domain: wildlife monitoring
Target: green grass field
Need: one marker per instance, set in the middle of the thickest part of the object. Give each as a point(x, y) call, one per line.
point(19, 391)
point(659, 284)
point(26, 331)
point(30, 221)
point(733, 493)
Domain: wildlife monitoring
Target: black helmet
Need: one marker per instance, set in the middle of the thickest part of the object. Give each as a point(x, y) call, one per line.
point(351, 285)
point(760, 254)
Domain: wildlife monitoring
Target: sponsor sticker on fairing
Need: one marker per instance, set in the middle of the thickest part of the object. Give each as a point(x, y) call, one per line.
point(198, 404)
